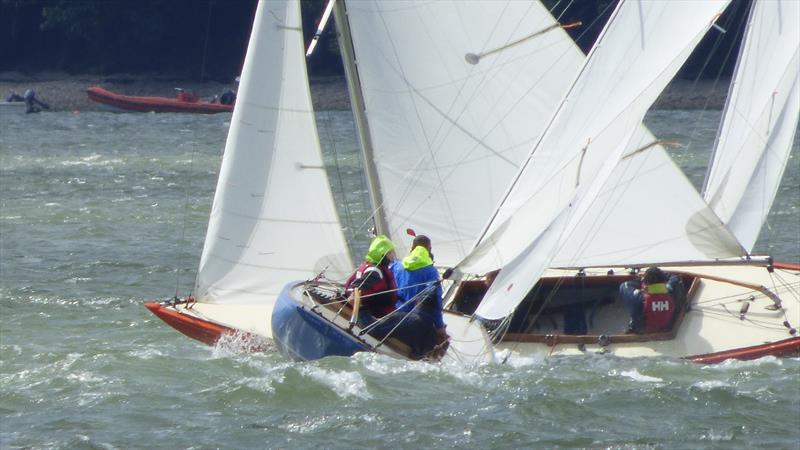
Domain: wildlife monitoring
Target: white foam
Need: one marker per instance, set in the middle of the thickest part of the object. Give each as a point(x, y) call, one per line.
point(739, 364)
point(345, 384)
point(147, 353)
point(636, 376)
point(710, 384)
point(239, 343)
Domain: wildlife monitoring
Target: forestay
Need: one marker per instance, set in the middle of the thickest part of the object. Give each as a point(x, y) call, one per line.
point(273, 219)
point(760, 120)
point(449, 135)
point(638, 53)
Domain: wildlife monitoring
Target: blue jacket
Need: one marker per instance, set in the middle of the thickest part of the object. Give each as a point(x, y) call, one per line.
point(411, 282)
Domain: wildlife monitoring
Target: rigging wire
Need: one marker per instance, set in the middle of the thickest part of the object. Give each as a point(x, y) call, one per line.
point(563, 11)
point(479, 140)
point(205, 42)
point(182, 239)
point(184, 219)
point(327, 125)
point(694, 87)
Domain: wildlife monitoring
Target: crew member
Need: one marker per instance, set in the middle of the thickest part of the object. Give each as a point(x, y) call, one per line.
point(375, 280)
point(33, 104)
point(420, 292)
point(652, 302)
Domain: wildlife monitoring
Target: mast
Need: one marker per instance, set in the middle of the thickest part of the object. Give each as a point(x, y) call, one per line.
point(362, 128)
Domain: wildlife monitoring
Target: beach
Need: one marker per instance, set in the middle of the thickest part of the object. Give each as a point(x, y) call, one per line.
point(64, 92)
point(67, 92)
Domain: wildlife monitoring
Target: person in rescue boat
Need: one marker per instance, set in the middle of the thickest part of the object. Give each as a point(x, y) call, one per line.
point(420, 293)
point(651, 302)
point(32, 103)
point(375, 280)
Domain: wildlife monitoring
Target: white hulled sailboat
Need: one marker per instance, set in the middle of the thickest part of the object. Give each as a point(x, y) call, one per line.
point(447, 132)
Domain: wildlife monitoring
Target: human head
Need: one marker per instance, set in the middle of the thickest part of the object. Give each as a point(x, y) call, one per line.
point(379, 249)
point(654, 275)
point(423, 241)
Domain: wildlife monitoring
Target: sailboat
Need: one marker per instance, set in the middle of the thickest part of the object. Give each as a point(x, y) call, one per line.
point(240, 278)
point(588, 208)
point(443, 146)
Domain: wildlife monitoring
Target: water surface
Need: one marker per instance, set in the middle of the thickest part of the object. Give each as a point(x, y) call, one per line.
point(101, 212)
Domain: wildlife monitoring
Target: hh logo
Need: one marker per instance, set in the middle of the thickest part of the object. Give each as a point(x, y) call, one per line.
point(662, 305)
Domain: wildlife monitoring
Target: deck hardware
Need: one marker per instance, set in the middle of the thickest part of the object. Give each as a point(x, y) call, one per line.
point(743, 309)
point(602, 340)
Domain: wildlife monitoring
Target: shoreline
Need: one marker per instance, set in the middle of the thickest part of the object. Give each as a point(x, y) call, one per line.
point(65, 92)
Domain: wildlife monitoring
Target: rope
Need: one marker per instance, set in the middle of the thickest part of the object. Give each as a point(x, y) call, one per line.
point(339, 178)
point(425, 291)
point(205, 43)
point(182, 239)
point(693, 89)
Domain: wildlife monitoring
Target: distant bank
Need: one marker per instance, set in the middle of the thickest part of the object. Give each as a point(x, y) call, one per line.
point(68, 92)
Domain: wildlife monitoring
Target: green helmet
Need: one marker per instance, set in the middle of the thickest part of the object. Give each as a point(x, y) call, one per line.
point(417, 259)
point(378, 248)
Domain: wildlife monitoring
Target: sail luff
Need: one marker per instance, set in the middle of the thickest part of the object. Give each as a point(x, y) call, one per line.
point(362, 124)
point(728, 97)
point(759, 122)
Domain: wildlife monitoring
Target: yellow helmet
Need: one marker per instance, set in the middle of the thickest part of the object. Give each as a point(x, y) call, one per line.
point(378, 248)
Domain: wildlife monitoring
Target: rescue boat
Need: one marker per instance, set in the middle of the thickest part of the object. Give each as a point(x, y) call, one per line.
point(184, 102)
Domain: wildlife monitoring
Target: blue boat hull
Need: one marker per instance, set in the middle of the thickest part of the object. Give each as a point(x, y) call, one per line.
point(301, 334)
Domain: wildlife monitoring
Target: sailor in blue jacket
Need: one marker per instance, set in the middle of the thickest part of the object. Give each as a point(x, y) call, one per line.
point(420, 293)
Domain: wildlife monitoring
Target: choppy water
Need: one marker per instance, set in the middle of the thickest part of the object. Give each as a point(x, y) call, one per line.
point(99, 210)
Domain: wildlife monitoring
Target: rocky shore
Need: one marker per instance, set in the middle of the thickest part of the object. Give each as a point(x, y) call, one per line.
point(68, 92)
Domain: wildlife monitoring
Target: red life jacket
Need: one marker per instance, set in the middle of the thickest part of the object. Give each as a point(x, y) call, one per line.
point(658, 308)
point(378, 288)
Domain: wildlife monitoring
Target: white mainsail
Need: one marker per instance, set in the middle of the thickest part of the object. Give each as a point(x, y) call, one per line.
point(760, 120)
point(640, 50)
point(447, 135)
point(273, 219)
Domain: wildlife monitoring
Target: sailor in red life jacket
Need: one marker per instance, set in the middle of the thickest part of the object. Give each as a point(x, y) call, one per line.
point(651, 303)
point(375, 280)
